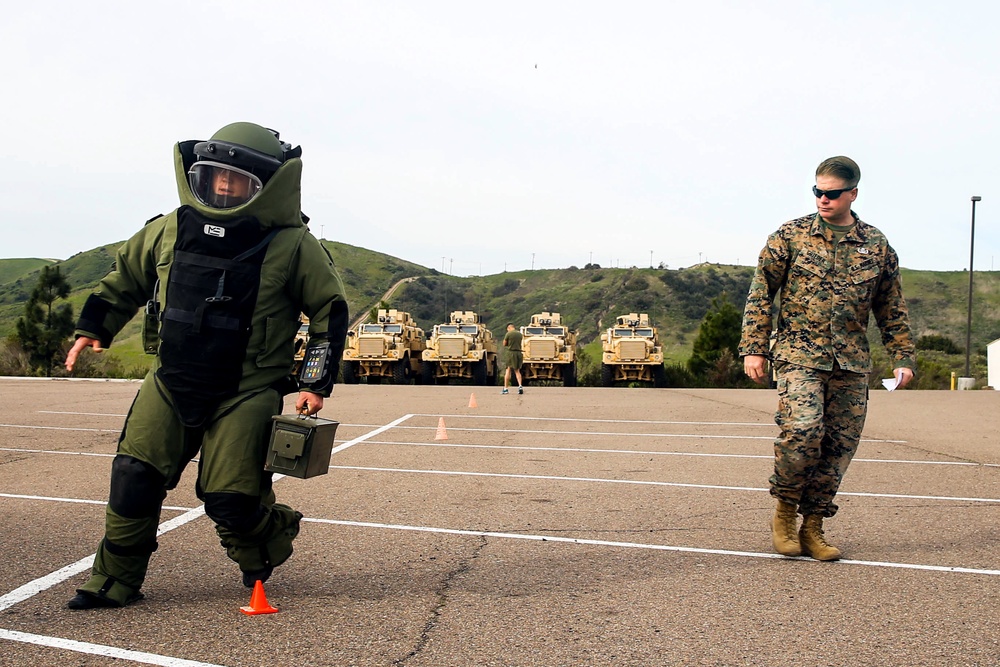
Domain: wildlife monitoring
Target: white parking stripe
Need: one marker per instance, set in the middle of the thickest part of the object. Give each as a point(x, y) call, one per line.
point(655, 547)
point(718, 487)
point(52, 451)
point(599, 421)
point(381, 429)
point(62, 428)
point(620, 434)
point(21, 496)
point(100, 649)
point(657, 453)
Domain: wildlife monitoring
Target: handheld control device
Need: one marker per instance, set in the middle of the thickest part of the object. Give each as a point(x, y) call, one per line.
point(315, 374)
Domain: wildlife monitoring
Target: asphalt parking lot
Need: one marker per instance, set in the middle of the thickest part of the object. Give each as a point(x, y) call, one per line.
point(582, 526)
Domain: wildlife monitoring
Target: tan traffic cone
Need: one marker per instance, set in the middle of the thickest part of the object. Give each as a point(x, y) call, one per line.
point(441, 433)
point(472, 400)
point(258, 602)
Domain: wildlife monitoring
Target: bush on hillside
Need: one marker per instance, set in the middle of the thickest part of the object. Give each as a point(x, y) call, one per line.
point(939, 343)
point(13, 360)
point(506, 287)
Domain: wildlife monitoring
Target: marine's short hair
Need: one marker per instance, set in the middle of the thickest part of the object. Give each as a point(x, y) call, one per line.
point(841, 167)
point(510, 324)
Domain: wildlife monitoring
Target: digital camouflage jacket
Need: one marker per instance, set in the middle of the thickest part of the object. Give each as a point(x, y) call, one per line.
point(827, 292)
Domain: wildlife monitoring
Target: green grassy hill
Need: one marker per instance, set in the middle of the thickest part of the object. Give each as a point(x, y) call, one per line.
point(12, 269)
point(677, 300)
point(589, 299)
point(366, 275)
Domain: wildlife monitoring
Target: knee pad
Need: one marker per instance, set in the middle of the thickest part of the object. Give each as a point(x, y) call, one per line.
point(236, 512)
point(137, 488)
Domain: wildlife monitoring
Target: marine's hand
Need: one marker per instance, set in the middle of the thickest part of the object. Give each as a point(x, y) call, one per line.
point(81, 343)
point(755, 366)
point(903, 376)
point(308, 403)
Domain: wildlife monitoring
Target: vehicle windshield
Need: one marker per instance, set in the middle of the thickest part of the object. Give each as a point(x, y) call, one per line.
point(371, 328)
point(471, 329)
point(647, 333)
point(448, 328)
point(534, 331)
point(556, 331)
point(623, 333)
point(394, 328)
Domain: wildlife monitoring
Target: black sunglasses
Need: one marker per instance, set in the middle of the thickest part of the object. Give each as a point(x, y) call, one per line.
point(830, 194)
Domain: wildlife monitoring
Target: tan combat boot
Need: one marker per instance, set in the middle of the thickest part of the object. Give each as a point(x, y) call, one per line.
point(812, 540)
point(783, 534)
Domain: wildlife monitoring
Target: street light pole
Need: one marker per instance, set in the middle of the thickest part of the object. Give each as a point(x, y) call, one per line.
point(968, 324)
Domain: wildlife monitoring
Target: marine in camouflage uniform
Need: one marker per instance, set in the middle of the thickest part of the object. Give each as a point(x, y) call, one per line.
point(223, 280)
point(832, 271)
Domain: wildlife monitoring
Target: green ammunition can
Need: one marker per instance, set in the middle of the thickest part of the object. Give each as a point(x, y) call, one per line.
point(300, 446)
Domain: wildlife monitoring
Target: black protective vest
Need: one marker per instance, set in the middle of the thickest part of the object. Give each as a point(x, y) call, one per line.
point(211, 295)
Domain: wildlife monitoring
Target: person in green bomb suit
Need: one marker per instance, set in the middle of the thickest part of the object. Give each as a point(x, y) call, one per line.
point(223, 280)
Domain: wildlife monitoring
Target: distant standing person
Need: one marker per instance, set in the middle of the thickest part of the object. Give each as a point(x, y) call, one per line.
point(832, 270)
point(514, 357)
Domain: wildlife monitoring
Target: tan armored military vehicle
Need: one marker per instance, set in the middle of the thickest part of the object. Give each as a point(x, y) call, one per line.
point(632, 352)
point(549, 350)
point(461, 348)
point(388, 348)
point(301, 339)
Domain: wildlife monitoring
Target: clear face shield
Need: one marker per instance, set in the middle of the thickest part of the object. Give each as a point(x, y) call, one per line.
point(222, 186)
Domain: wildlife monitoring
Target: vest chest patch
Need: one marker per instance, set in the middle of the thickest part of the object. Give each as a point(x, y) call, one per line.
point(214, 230)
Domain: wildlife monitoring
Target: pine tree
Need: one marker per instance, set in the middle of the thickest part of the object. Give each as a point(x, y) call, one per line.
point(44, 328)
point(720, 330)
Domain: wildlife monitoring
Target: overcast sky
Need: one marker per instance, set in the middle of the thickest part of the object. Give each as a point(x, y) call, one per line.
point(474, 137)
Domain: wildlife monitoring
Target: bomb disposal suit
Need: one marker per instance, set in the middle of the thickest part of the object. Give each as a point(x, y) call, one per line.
point(223, 280)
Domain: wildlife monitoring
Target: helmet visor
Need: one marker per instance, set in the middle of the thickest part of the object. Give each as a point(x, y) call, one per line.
point(222, 186)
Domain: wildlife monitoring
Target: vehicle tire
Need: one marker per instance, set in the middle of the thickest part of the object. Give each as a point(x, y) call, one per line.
point(480, 372)
point(607, 375)
point(569, 374)
point(427, 372)
point(400, 371)
point(491, 378)
point(659, 377)
point(350, 369)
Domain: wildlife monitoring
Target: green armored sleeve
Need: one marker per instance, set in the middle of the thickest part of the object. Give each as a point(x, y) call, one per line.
point(125, 289)
point(316, 285)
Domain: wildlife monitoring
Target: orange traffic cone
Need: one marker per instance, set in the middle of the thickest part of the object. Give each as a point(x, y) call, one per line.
point(472, 400)
point(258, 602)
point(441, 433)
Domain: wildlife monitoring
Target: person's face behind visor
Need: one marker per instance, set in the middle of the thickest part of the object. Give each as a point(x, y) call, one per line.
point(222, 186)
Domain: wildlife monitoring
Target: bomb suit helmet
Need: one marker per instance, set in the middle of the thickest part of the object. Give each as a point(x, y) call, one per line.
point(234, 165)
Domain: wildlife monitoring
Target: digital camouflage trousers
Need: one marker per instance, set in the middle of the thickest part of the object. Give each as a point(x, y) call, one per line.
point(821, 415)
